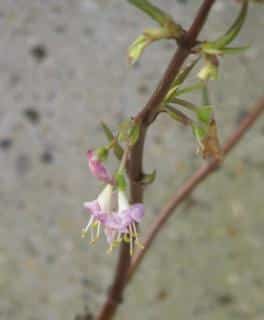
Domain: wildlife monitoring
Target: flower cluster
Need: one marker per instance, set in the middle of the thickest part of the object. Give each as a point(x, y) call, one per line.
point(111, 210)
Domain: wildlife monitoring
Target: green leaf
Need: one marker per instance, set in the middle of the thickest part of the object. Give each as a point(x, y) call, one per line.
point(231, 50)
point(118, 150)
point(154, 12)
point(233, 31)
point(174, 90)
point(205, 95)
point(204, 114)
point(137, 47)
point(149, 178)
point(184, 73)
point(177, 115)
point(197, 86)
point(184, 103)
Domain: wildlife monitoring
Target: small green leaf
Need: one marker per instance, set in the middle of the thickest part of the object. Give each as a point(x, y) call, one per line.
point(184, 103)
point(149, 178)
point(154, 12)
point(184, 73)
point(233, 31)
point(197, 86)
point(177, 115)
point(204, 114)
point(232, 50)
point(137, 47)
point(118, 150)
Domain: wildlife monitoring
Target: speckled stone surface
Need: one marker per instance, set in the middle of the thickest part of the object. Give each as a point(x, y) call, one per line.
point(62, 69)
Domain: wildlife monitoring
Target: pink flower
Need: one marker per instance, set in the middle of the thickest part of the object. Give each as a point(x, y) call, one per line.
point(99, 209)
point(122, 225)
point(118, 225)
point(98, 169)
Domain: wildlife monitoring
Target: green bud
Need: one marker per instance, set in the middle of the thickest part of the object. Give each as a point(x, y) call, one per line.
point(149, 178)
point(208, 72)
point(204, 114)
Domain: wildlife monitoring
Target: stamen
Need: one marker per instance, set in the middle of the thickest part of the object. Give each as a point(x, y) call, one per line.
point(98, 230)
point(137, 242)
point(92, 236)
point(130, 240)
point(85, 230)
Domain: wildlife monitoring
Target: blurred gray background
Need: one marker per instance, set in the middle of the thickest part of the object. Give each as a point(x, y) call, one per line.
point(63, 68)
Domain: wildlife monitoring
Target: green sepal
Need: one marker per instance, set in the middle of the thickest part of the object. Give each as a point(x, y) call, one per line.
point(121, 181)
point(118, 150)
point(102, 153)
point(149, 178)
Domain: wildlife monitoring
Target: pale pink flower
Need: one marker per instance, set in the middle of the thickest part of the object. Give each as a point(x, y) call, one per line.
point(118, 225)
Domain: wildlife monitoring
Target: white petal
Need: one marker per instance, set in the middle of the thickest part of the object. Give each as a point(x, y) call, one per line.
point(105, 198)
point(122, 201)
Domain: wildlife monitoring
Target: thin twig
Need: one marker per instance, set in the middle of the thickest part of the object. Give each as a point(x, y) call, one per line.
point(135, 169)
point(200, 175)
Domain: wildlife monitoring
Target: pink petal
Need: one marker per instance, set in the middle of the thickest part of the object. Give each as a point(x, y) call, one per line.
point(98, 169)
point(117, 222)
point(92, 206)
point(95, 211)
point(136, 212)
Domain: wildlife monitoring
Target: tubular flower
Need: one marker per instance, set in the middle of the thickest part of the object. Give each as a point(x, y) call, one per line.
point(118, 225)
point(122, 224)
point(99, 210)
point(98, 169)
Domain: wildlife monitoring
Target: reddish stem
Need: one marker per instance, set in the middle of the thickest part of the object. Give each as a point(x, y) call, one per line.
point(136, 159)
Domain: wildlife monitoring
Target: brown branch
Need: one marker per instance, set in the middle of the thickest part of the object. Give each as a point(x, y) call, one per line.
point(136, 158)
point(199, 176)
